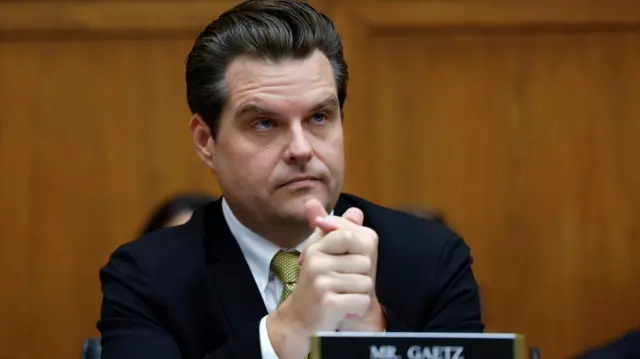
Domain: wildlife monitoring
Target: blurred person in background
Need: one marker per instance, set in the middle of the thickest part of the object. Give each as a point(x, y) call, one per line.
point(175, 210)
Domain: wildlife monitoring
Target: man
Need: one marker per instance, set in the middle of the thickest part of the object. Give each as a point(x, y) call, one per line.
point(266, 83)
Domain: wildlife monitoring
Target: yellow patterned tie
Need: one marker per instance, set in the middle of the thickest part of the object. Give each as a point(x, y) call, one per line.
point(286, 267)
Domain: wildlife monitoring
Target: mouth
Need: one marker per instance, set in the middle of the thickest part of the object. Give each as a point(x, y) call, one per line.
point(302, 180)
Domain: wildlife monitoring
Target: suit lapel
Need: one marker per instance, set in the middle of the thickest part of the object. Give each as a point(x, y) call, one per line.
point(233, 283)
point(341, 206)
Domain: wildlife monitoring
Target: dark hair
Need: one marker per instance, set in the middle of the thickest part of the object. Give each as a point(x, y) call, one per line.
point(173, 206)
point(271, 30)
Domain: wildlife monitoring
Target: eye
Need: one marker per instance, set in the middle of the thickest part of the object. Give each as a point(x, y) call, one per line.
point(319, 118)
point(264, 124)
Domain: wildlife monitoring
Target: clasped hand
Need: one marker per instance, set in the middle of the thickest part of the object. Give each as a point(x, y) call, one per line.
point(336, 288)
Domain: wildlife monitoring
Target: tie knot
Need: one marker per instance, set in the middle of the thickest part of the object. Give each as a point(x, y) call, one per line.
point(286, 267)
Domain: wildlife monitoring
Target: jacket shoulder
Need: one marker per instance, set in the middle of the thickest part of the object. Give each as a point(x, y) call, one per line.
point(162, 258)
point(401, 226)
point(154, 249)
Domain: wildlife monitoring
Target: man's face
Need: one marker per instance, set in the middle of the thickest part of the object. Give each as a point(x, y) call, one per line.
point(280, 138)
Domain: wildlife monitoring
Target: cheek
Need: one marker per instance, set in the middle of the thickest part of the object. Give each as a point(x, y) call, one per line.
point(262, 164)
point(247, 164)
point(331, 152)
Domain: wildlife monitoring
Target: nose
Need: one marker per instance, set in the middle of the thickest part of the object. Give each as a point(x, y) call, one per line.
point(299, 150)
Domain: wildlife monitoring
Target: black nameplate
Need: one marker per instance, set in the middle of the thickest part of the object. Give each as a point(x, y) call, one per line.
point(345, 345)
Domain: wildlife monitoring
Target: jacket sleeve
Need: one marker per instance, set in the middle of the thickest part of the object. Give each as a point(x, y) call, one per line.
point(130, 328)
point(457, 305)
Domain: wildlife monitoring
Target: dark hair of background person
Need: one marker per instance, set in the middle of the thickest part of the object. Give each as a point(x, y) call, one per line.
point(270, 30)
point(174, 206)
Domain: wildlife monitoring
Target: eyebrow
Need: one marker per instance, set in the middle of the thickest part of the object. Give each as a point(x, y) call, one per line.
point(330, 102)
point(252, 109)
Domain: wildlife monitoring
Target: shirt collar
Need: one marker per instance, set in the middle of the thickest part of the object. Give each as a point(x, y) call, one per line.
point(257, 251)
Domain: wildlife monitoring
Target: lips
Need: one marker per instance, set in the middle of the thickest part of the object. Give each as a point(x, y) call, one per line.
point(299, 179)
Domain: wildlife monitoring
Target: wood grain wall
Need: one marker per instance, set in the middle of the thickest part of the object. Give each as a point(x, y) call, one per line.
point(519, 119)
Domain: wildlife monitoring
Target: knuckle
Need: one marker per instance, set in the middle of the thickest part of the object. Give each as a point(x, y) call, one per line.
point(371, 234)
point(311, 250)
point(344, 235)
point(329, 301)
point(310, 262)
point(366, 302)
point(367, 283)
point(315, 264)
point(321, 284)
point(371, 238)
point(353, 237)
point(351, 242)
point(366, 264)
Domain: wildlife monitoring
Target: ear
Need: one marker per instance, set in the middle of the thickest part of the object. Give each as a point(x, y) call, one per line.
point(203, 140)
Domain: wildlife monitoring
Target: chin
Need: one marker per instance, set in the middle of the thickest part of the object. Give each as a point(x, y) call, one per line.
point(291, 213)
point(294, 204)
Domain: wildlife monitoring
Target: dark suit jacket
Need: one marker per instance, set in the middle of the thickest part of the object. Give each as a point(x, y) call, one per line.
point(187, 291)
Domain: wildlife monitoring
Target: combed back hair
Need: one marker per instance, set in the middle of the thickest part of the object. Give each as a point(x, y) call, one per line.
point(270, 30)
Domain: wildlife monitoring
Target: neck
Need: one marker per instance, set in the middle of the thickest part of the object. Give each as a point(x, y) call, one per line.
point(285, 236)
point(281, 232)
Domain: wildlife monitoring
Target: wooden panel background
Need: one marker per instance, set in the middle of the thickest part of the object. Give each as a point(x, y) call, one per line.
point(519, 119)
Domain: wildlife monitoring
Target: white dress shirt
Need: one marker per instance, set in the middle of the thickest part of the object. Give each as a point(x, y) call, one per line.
point(258, 252)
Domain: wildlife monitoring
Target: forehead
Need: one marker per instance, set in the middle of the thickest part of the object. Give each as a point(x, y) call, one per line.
point(282, 86)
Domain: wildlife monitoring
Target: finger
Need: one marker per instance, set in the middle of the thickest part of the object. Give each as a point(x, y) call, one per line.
point(349, 283)
point(340, 241)
point(313, 210)
point(314, 238)
point(343, 304)
point(351, 263)
point(345, 264)
point(325, 226)
point(354, 215)
point(337, 222)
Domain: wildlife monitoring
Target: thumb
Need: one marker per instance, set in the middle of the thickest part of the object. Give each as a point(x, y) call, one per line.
point(354, 215)
point(314, 209)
